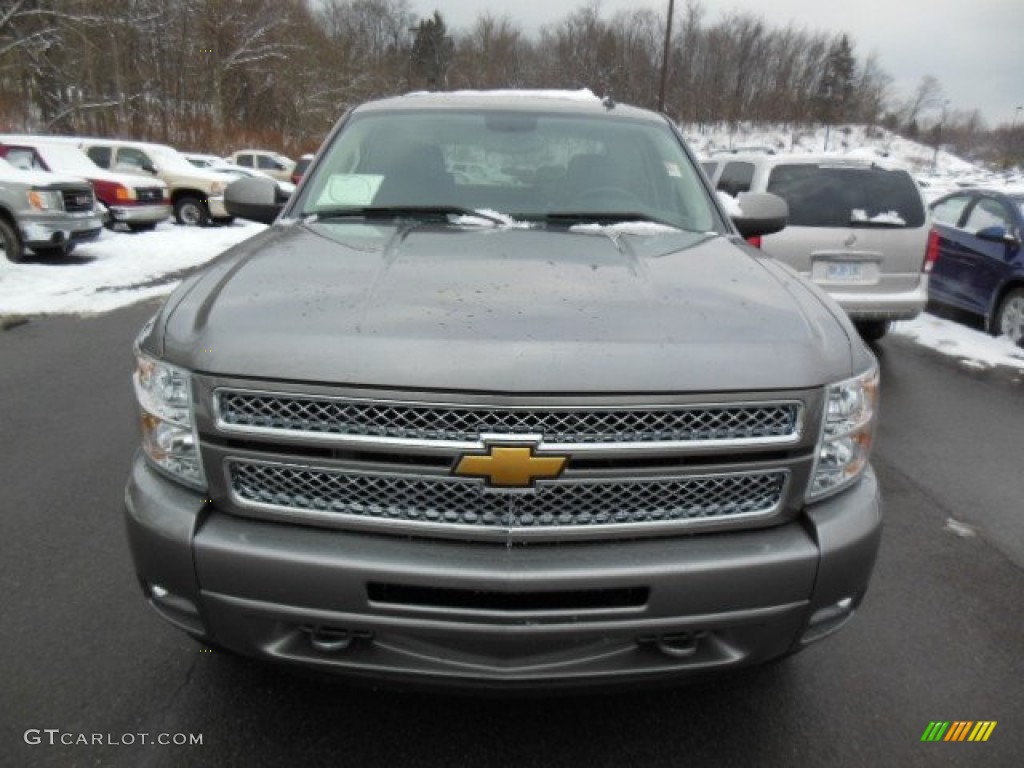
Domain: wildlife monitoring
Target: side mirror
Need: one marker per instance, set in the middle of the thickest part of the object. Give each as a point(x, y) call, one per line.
point(256, 198)
point(762, 214)
point(148, 167)
point(996, 234)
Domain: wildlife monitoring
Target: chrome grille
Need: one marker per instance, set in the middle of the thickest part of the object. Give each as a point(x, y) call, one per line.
point(76, 201)
point(459, 504)
point(269, 413)
point(149, 194)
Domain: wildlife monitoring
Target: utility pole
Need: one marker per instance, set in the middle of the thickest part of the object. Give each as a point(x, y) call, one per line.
point(1014, 144)
point(938, 136)
point(664, 55)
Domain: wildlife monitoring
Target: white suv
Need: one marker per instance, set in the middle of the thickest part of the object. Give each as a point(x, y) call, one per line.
point(857, 227)
point(270, 163)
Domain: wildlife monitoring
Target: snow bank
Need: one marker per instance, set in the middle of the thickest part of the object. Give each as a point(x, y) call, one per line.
point(114, 271)
point(975, 349)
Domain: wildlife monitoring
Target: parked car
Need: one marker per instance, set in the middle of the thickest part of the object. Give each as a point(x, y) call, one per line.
point(857, 228)
point(45, 212)
point(271, 163)
point(300, 168)
point(197, 195)
point(980, 266)
point(238, 172)
point(548, 431)
point(139, 202)
point(200, 160)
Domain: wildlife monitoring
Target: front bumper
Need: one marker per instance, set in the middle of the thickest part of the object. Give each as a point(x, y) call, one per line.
point(51, 230)
point(140, 213)
point(217, 209)
point(473, 614)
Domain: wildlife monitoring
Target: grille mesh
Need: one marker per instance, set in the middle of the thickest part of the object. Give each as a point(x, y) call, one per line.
point(77, 201)
point(149, 194)
point(466, 503)
point(432, 422)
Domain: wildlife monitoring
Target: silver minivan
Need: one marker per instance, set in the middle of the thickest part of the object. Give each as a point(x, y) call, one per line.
point(858, 227)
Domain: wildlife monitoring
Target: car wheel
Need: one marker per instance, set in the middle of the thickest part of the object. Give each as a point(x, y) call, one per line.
point(191, 212)
point(1010, 317)
point(143, 226)
point(872, 330)
point(10, 244)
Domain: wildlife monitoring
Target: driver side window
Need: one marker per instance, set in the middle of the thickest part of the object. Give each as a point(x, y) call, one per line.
point(988, 213)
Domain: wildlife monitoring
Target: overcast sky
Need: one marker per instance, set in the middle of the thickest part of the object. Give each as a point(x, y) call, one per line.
point(974, 47)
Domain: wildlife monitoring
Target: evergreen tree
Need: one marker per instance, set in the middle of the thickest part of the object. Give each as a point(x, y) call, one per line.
point(834, 99)
point(432, 52)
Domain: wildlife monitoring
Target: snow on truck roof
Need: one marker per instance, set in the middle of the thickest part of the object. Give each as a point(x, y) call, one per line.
point(580, 101)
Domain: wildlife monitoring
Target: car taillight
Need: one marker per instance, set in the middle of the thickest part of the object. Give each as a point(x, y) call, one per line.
point(931, 254)
point(755, 241)
point(123, 193)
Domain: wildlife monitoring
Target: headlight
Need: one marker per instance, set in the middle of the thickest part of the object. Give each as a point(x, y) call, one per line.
point(169, 437)
point(847, 432)
point(45, 200)
point(217, 188)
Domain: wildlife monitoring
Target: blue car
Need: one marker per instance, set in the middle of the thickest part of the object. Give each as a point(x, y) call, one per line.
point(980, 265)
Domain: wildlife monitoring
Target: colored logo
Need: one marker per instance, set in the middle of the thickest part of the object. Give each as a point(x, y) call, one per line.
point(959, 730)
point(511, 467)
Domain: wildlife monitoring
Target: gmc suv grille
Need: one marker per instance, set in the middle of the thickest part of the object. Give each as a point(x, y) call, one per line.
point(77, 200)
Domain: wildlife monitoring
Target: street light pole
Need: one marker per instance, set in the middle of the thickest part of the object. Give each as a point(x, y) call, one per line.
point(664, 55)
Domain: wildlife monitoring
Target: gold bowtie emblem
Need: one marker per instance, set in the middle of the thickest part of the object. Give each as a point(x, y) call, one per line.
point(508, 467)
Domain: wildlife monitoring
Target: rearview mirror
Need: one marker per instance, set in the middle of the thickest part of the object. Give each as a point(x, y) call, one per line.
point(256, 198)
point(763, 214)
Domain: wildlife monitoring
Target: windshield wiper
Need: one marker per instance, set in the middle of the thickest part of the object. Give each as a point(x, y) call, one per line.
point(581, 217)
point(404, 212)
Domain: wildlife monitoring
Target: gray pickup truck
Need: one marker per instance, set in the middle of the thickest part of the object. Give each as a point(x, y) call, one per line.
point(48, 213)
point(503, 399)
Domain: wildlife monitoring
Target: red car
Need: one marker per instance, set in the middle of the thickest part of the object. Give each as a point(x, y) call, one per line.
point(140, 202)
point(300, 168)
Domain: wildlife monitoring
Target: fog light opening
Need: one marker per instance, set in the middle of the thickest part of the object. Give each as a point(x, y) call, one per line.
point(680, 646)
point(827, 620)
point(329, 639)
point(164, 598)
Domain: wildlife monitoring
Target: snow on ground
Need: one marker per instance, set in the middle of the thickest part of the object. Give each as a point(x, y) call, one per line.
point(118, 269)
point(937, 172)
point(975, 349)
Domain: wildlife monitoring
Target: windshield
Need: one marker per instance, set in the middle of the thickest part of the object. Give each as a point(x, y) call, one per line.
point(67, 159)
point(525, 165)
point(843, 196)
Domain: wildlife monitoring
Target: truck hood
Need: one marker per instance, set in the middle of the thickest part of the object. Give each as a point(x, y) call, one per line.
point(417, 306)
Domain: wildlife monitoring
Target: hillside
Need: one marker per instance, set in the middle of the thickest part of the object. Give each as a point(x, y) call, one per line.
point(948, 172)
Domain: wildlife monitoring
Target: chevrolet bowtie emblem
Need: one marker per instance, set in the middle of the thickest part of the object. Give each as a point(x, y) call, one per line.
point(511, 467)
